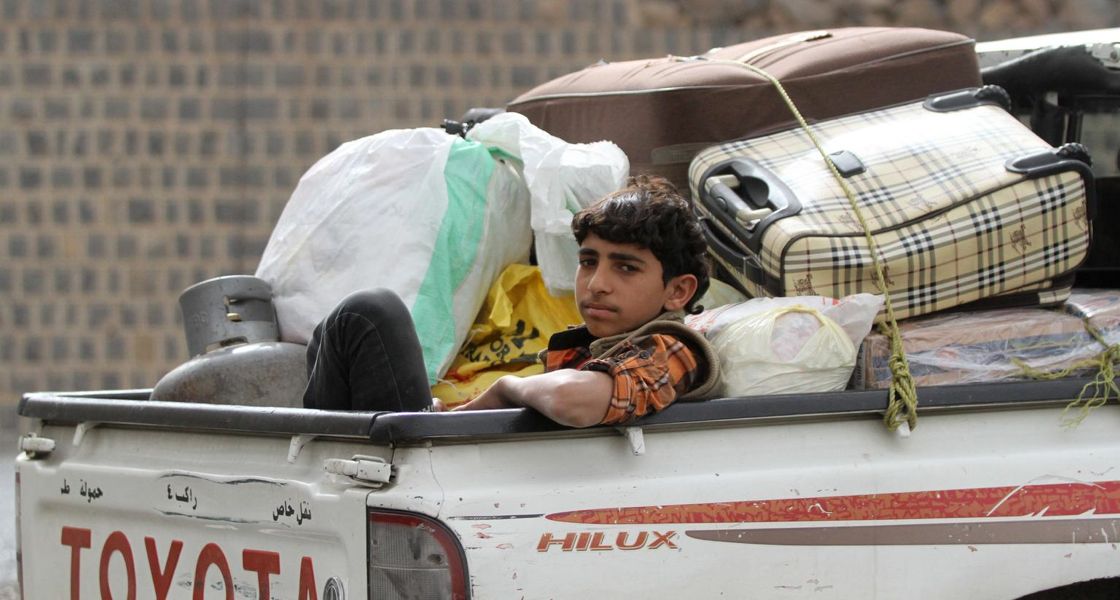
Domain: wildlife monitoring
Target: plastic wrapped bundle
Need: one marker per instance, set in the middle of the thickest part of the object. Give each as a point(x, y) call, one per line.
point(979, 346)
point(1101, 309)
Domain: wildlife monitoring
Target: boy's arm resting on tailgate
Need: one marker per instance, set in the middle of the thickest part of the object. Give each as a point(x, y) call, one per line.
point(567, 396)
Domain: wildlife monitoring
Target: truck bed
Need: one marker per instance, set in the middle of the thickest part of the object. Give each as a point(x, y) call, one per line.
point(801, 496)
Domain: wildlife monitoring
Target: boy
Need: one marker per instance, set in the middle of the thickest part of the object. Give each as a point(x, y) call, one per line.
point(641, 265)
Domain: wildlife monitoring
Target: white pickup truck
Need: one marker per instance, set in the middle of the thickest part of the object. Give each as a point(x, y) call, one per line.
point(800, 496)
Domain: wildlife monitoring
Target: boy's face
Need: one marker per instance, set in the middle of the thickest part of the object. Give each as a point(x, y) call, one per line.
point(619, 287)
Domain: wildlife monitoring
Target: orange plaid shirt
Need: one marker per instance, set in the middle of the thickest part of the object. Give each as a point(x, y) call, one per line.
point(649, 371)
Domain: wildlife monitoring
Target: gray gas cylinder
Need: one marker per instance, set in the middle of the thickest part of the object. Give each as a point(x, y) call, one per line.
point(234, 340)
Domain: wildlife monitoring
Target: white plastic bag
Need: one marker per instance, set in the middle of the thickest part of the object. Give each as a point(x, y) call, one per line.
point(428, 215)
point(562, 179)
point(787, 345)
point(720, 294)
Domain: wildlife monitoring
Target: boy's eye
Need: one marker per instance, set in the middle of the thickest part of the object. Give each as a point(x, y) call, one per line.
point(628, 268)
point(587, 262)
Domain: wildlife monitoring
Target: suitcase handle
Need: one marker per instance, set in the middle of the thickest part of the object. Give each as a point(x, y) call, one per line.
point(746, 197)
point(1067, 157)
point(740, 264)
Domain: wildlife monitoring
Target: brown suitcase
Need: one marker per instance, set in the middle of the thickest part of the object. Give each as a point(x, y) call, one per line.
point(662, 111)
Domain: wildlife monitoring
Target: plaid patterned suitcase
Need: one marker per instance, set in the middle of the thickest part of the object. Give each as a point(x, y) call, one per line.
point(965, 204)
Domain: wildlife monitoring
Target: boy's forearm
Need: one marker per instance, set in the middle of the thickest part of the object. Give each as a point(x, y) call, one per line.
point(569, 397)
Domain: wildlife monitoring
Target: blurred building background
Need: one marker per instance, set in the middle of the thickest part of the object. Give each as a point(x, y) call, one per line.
point(146, 145)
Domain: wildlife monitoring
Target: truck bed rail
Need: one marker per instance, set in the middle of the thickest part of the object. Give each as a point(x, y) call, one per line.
point(130, 407)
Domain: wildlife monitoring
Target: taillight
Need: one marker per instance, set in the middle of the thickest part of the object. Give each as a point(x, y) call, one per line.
point(414, 557)
point(19, 540)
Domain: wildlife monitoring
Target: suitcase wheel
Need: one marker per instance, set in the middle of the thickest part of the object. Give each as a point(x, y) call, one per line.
point(1075, 151)
point(993, 94)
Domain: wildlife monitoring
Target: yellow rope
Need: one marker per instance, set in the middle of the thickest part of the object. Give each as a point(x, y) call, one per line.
point(1103, 384)
point(902, 403)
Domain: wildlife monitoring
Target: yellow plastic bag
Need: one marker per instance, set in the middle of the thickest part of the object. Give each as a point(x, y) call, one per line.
point(513, 325)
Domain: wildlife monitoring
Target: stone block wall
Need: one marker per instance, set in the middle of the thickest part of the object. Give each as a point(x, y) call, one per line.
point(146, 145)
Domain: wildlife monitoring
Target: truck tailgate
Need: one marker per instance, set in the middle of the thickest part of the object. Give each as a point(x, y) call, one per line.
point(148, 512)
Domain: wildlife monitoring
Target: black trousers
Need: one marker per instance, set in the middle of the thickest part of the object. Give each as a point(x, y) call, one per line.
point(365, 356)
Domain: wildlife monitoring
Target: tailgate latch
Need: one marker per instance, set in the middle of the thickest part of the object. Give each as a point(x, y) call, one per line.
point(366, 470)
point(35, 446)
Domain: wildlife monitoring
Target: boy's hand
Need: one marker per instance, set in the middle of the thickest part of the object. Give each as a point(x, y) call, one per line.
point(493, 397)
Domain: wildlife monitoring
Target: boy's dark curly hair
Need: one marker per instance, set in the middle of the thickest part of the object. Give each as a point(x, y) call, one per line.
point(650, 212)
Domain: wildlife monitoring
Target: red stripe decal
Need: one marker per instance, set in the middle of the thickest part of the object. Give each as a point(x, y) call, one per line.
point(1093, 530)
point(1057, 499)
